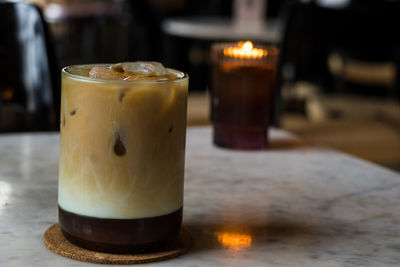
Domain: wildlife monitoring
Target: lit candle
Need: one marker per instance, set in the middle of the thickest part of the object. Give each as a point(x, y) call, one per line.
point(242, 92)
point(245, 50)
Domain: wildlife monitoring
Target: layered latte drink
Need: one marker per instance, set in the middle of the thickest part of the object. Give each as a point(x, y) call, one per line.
point(122, 152)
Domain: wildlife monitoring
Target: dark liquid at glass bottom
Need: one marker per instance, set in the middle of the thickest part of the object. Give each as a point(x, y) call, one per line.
point(237, 137)
point(120, 235)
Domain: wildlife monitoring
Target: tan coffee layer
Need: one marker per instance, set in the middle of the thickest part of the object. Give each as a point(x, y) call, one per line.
point(122, 148)
point(56, 242)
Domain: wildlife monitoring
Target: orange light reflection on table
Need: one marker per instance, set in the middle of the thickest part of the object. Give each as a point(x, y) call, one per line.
point(234, 241)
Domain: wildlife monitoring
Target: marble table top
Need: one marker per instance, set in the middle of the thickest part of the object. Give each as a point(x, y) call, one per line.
point(292, 205)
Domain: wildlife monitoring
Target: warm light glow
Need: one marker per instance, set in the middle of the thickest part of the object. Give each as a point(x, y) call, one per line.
point(245, 50)
point(233, 240)
point(247, 46)
point(6, 94)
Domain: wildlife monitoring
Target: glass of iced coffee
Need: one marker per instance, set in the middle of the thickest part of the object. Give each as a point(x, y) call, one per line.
point(122, 152)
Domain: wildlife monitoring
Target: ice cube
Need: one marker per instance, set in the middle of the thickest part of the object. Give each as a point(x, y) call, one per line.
point(105, 73)
point(141, 67)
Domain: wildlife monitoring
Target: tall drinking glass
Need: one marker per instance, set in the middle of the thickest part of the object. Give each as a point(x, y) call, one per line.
point(122, 152)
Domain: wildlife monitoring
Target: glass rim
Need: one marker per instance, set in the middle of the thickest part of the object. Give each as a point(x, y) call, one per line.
point(181, 76)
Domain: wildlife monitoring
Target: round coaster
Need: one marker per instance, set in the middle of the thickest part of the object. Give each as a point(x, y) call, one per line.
point(56, 242)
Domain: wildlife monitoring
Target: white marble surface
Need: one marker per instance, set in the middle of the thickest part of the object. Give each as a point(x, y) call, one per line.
point(293, 205)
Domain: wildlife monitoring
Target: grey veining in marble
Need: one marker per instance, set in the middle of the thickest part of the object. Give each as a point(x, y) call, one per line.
point(293, 205)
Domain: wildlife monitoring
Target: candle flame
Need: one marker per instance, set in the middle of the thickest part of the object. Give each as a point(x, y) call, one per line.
point(245, 50)
point(247, 46)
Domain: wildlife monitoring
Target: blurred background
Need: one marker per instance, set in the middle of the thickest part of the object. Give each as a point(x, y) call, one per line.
point(338, 75)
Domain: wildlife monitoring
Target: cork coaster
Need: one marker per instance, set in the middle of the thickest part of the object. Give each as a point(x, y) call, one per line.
point(56, 242)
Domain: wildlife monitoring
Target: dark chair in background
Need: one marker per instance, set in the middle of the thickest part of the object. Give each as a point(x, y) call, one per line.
point(364, 34)
point(29, 83)
point(355, 31)
point(338, 48)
